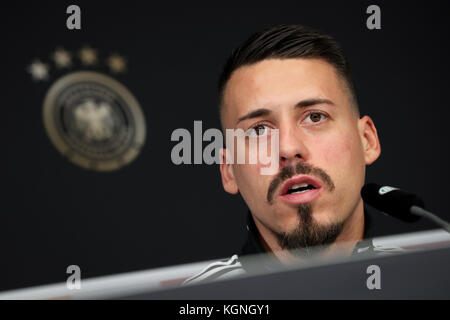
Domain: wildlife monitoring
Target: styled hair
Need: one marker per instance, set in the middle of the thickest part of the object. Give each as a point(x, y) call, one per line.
point(287, 42)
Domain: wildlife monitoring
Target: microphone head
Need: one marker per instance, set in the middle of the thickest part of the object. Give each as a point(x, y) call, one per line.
point(392, 201)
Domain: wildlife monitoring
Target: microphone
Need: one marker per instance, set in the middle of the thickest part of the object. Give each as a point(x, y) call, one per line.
point(392, 201)
point(400, 204)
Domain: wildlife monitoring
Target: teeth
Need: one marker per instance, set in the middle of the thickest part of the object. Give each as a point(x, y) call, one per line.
point(303, 185)
point(300, 188)
point(299, 191)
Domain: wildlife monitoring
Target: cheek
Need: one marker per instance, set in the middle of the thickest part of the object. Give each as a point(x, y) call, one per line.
point(249, 180)
point(336, 151)
point(253, 186)
point(341, 155)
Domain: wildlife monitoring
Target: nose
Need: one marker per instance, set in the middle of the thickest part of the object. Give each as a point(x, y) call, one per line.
point(292, 146)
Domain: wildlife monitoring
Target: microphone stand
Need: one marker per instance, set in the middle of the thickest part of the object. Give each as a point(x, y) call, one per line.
point(418, 211)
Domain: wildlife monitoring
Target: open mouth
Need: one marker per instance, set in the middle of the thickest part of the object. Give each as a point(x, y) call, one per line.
point(300, 189)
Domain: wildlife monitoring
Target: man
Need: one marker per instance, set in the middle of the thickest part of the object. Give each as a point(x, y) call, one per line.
point(296, 80)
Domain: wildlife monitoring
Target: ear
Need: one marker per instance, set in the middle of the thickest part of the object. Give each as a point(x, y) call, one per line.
point(226, 171)
point(369, 139)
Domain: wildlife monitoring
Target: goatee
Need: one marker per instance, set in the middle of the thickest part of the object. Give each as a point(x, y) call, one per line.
point(308, 233)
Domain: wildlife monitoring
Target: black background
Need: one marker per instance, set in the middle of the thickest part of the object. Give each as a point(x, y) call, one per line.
point(153, 213)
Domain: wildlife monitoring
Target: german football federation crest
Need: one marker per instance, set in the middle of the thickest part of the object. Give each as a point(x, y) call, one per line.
point(90, 117)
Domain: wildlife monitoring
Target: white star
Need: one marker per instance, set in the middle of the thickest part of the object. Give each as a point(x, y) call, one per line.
point(38, 70)
point(117, 64)
point(63, 58)
point(88, 56)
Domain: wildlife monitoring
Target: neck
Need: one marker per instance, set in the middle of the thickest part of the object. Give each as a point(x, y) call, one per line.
point(352, 232)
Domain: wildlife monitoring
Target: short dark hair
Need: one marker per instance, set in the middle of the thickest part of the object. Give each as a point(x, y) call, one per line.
point(285, 42)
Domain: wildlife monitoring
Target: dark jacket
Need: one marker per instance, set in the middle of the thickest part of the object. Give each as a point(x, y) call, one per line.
point(376, 224)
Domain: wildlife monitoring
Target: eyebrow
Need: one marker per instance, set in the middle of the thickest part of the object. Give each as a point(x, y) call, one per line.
point(255, 114)
point(312, 102)
point(302, 104)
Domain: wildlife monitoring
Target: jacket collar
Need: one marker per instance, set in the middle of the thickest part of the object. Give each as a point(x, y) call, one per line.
point(374, 224)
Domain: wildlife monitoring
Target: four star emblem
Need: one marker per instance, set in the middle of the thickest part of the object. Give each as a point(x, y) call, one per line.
point(63, 59)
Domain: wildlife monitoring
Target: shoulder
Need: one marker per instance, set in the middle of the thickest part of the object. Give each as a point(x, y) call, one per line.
point(219, 270)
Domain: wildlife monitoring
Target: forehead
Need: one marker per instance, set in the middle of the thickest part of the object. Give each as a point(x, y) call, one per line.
point(281, 82)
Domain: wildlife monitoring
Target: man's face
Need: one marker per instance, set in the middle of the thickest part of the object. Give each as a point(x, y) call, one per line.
point(322, 142)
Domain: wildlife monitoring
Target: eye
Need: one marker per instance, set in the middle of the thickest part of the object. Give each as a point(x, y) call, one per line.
point(257, 130)
point(316, 117)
